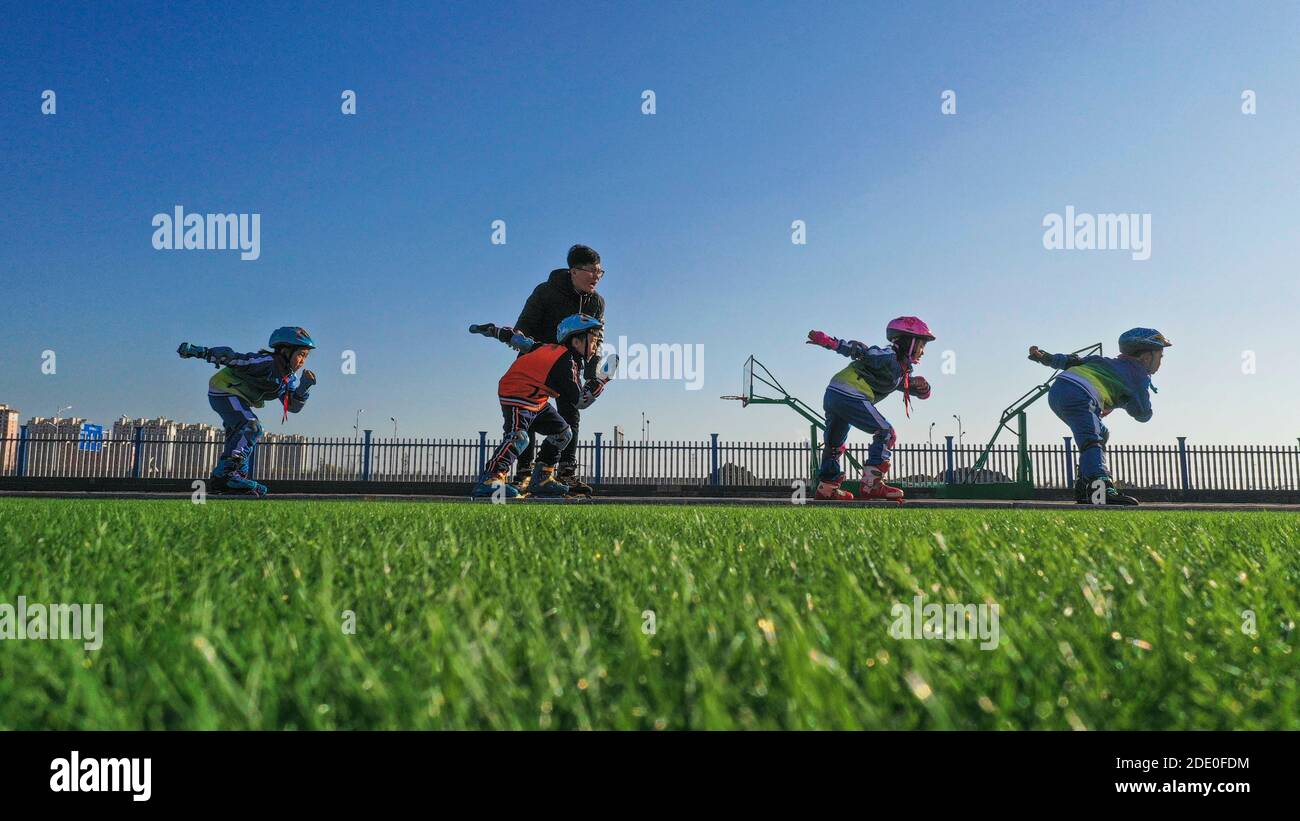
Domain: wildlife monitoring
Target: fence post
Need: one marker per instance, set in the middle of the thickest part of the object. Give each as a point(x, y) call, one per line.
point(22, 451)
point(596, 459)
point(947, 475)
point(139, 452)
point(814, 464)
point(365, 458)
point(1024, 468)
point(482, 452)
point(1069, 463)
point(713, 459)
point(1182, 463)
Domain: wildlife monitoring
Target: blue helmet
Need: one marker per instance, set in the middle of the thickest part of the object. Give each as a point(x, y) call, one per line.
point(576, 324)
point(293, 337)
point(1137, 340)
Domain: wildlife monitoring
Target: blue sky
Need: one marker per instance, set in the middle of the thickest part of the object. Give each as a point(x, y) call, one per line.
point(376, 227)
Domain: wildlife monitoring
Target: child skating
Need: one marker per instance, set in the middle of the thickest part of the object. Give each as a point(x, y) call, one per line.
point(246, 381)
point(1091, 387)
point(852, 396)
point(543, 372)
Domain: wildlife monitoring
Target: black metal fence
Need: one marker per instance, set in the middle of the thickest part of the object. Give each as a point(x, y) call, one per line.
point(700, 462)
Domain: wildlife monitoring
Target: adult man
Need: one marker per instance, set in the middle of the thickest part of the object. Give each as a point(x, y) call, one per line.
point(565, 292)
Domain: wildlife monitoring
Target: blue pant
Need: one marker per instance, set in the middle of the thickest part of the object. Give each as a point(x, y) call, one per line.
point(519, 425)
point(1077, 409)
point(842, 412)
point(242, 428)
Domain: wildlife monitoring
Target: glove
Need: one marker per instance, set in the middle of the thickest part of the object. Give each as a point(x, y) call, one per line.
point(819, 338)
point(308, 379)
point(520, 342)
point(1039, 355)
point(590, 391)
point(486, 330)
point(919, 387)
point(188, 351)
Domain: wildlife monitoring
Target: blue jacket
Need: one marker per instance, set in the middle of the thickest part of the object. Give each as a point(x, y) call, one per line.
point(254, 377)
point(873, 374)
point(1119, 382)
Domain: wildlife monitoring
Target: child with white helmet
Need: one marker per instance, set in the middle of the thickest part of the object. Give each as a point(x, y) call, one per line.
point(852, 396)
point(1091, 387)
point(245, 381)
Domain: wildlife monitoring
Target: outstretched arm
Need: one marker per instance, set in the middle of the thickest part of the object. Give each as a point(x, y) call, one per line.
point(850, 348)
point(506, 334)
point(1059, 361)
point(217, 356)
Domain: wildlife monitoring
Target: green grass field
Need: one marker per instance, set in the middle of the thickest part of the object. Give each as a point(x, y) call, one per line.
point(230, 615)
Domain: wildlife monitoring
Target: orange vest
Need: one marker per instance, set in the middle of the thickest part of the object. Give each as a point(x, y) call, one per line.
point(524, 385)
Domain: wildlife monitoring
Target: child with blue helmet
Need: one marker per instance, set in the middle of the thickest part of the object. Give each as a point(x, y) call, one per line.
point(1089, 388)
point(543, 372)
point(246, 381)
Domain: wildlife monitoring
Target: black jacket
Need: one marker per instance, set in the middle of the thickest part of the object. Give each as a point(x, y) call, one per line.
point(551, 302)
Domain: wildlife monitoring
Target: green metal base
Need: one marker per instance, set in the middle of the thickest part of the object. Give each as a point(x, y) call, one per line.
point(990, 490)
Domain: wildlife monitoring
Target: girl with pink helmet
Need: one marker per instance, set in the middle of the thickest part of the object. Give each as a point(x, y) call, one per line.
point(852, 396)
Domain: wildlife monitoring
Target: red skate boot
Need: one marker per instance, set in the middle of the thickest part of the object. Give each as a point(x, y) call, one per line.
point(830, 491)
point(874, 487)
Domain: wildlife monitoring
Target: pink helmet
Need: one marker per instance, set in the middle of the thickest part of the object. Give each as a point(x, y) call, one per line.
point(908, 326)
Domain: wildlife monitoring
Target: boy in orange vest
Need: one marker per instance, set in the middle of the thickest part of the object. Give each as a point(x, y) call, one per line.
point(544, 372)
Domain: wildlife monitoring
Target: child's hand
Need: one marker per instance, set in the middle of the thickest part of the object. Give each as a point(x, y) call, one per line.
point(819, 338)
point(486, 330)
point(1038, 354)
point(188, 351)
point(308, 379)
point(519, 342)
point(919, 387)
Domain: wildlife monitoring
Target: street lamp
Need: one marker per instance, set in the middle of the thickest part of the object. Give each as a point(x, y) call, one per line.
point(356, 429)
point(931, 434)
point(393, 419)
point(959, 434)
point(61, 410)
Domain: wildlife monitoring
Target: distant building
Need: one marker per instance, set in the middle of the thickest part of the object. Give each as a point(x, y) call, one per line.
point(282, 456)
point(52, 448)
point(197, 447)
point(158, 447)
point(8, 440)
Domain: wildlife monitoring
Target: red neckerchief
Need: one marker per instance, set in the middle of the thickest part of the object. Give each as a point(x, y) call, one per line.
point(907, 383)
point(284, 396)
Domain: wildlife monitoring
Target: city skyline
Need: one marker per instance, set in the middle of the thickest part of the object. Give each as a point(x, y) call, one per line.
point(1014, 176)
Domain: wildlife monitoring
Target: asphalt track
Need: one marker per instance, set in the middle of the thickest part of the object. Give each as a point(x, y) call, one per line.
point(941, 504)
